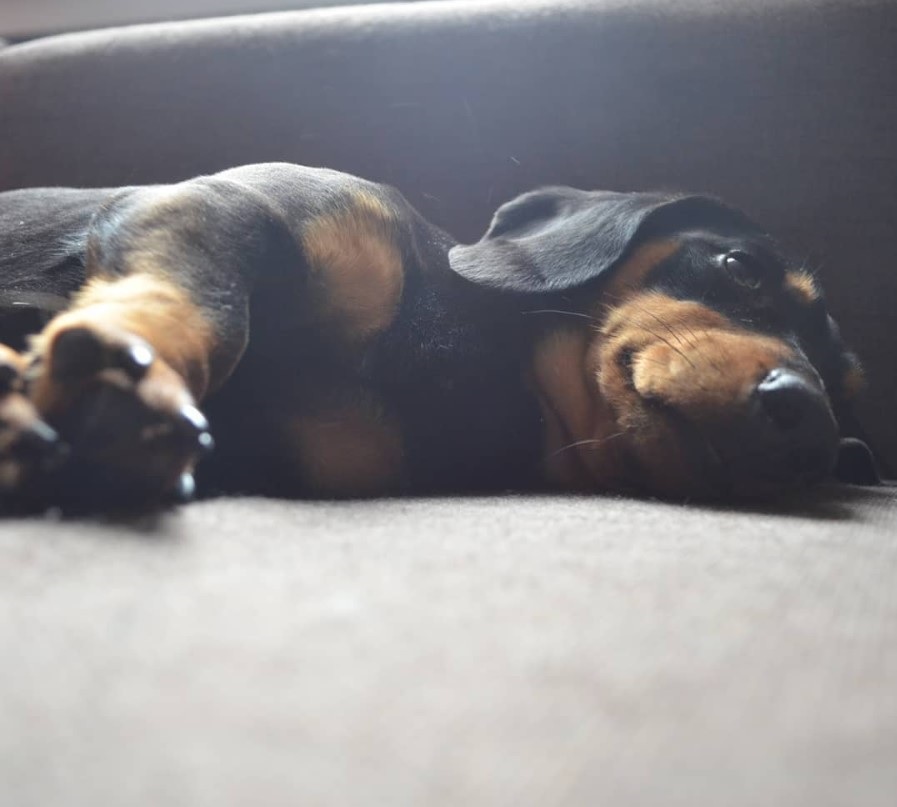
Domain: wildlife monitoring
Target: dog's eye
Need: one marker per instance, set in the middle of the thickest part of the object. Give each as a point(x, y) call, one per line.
point(745, 269)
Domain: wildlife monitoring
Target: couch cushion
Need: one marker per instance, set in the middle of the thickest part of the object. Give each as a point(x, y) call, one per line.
point(526, 651)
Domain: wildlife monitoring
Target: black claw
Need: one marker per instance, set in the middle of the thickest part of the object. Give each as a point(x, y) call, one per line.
point(856, 463)
point(185, 489)
point(194, 428)
point(205, 443)
point(193, 419)
point(135, 360)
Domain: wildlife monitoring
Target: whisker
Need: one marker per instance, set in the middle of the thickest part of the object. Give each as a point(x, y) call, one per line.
point(594, 442)
point(657, 335)
point(597, 324)
point(810, 266)
point(559, 311)
point(671, 346)
point(665, 324)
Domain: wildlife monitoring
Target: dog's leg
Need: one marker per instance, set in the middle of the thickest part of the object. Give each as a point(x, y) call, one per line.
point(161, 321)
point(28, 446)
point(118, 375)
point(162, 316)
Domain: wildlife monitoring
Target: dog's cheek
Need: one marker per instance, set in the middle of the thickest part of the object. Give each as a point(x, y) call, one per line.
point(668, 470)
point(658, 458)
point(612, 364)
point(653, 453)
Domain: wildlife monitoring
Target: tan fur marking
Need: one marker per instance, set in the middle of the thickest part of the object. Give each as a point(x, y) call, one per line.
point(559, 375)
point(572, 413)
point(853, 381)
point(715, 376)
point(631, 274)
point(655, 313)
point(353, 451)
point(559, 378)
point(802, 286)
point(17, 415)
point(357, 265)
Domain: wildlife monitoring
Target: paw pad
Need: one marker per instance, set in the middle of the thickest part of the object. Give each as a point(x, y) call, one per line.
point(79, 353)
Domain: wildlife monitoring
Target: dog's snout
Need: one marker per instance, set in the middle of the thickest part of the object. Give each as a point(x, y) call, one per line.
point(797, 423)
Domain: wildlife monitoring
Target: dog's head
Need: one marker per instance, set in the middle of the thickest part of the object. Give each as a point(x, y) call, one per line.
point(676, 349)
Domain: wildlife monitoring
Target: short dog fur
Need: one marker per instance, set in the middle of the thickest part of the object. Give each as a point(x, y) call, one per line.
point(341, 345)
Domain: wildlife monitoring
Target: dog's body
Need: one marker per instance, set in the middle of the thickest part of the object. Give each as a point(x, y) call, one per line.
point(342, 345)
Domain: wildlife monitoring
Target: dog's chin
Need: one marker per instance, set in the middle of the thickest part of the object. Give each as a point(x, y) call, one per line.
point(672, 458)
point(717, 479)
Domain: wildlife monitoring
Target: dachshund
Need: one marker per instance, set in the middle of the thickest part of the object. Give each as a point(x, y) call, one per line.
point(337, 344)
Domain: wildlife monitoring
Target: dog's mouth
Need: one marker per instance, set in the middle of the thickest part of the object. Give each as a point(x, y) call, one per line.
point(777, 435)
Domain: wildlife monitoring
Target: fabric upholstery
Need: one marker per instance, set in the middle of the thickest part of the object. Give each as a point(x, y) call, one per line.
point(511, 651)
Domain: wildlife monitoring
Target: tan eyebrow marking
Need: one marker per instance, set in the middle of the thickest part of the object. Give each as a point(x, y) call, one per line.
point(630, 275)
point(802, 286)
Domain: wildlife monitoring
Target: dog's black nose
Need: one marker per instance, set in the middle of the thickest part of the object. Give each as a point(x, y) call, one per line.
point(799, 427)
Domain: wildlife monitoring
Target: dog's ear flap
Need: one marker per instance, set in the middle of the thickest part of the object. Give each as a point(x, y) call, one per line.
point(856, 463)
point(555, 239)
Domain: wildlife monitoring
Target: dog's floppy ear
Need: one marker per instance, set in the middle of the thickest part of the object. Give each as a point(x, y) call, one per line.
point(555, 239)
point(856, 463)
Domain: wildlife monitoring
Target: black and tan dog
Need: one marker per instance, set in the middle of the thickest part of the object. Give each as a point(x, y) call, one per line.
point(342, 345)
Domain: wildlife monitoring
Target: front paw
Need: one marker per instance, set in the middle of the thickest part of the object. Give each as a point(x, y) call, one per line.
point(133, 429)
point(29, 448)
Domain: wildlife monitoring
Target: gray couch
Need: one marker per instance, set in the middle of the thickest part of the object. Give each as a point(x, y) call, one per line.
point(516, 650)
